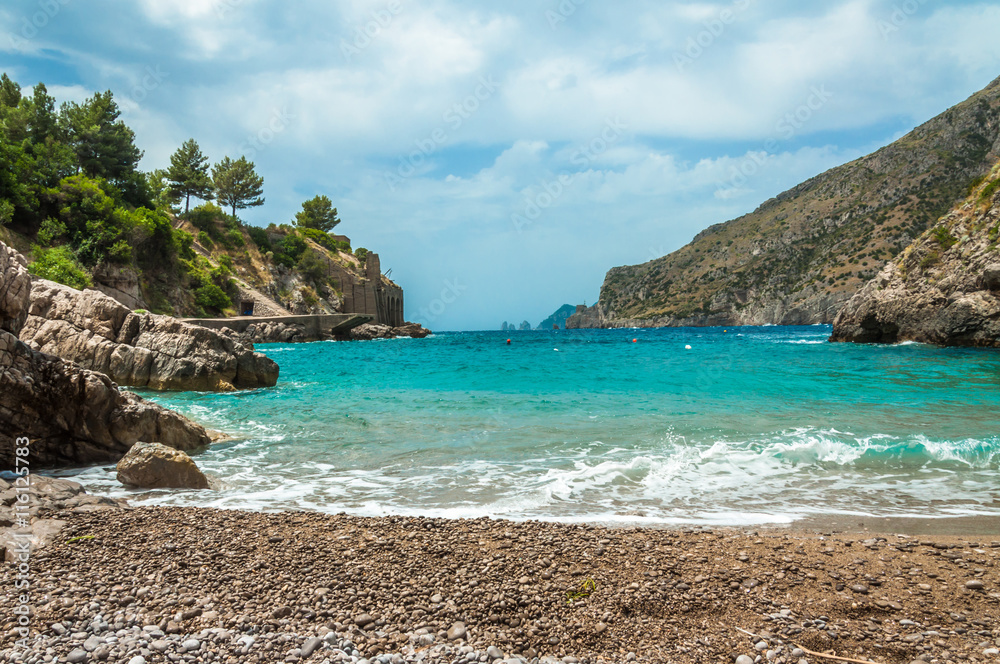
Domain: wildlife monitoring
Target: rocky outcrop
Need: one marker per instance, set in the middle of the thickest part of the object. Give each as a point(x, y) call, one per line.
point(944, 289)
point(558, 318)
point(370, 331)
point(273, 332)
point(15, 290)
point(155, 466)
point(69, 414)
point(800, 256)
point(139, 349)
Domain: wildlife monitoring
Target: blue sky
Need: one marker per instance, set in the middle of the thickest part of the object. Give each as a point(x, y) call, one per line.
point(501, 157)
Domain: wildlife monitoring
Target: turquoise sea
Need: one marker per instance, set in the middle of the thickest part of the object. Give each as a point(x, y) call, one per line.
point(690, 425)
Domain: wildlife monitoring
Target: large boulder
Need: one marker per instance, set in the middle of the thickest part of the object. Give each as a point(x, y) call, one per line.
point(75, 416)
point(155, 466)
point(140, 349)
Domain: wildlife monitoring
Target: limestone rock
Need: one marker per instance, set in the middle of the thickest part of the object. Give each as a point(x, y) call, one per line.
point(140, 350)
point(15, 288)
point(369, 331)
point(75, 416)
point(156, 466)
point(413, 330)
point(943, 288)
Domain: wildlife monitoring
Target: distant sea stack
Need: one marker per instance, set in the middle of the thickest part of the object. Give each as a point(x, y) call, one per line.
point(801, 255)
point(943, 289)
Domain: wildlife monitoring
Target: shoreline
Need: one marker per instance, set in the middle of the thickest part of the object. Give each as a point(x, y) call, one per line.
point(407, 589)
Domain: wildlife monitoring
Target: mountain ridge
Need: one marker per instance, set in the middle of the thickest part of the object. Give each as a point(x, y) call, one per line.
point(802, 254)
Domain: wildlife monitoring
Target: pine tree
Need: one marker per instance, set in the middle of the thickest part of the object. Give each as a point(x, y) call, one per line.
point(237, 184)
point(318, 213)
point(188, 174)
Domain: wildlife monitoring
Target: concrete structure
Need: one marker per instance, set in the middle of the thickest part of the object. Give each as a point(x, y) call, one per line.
point(371, 295)
point(316, 326)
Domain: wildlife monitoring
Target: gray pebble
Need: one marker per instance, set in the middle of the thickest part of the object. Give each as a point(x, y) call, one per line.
point(77, 655)
point(494, 653)
point(744, 659)
point(310, 646)
point(974, 585)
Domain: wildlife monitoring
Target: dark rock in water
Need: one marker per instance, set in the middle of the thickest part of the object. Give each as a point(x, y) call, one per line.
point(942, 290)
point(156, 466)
point(370, 331)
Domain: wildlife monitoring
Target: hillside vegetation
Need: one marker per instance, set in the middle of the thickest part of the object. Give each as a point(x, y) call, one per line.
point(799, 256)
point(74, 201)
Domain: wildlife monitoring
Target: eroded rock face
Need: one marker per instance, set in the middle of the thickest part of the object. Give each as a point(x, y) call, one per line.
point(15, 289)
point(140, 350)
point(369, 331)
point(75, 416)
point(944, 289)
point(70, 415)
point(155, 466)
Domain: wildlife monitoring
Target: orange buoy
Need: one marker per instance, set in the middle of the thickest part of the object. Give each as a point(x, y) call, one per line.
point(508, 342)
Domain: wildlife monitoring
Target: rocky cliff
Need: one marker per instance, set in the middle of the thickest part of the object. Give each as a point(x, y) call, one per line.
point(71, 415)
point(943, 289)
point(801, 255)
point(139, 349)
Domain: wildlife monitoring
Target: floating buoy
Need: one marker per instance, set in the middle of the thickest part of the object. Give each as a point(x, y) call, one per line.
point(687, 347)
point(635, 341)
point(508, 342)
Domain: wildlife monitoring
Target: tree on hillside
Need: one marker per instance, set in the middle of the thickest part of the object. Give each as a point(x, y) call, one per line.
point(237, 184)
point(10, 92)
point(104, 145)
point(317, 213)
point(188, 174)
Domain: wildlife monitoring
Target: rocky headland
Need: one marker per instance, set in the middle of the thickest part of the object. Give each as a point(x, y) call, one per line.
point(200, 585)
point(801, 255)
point(944, 289)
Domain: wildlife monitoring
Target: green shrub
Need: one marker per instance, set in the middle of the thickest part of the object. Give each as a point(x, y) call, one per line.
point(226, 262)
point(210, 296)
point(362, 254)
point(60, 265)
point(234, 239)
point(944, 238)
point(51, 231)
point(205, 241)
point(312, 266)
point(987, 193)
point(259, 237)
point(293, 245)
point(205, 217)
point(930, 259)
point(6, 212)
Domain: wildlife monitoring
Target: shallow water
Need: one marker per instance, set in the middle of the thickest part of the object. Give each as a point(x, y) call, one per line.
point(749, 425)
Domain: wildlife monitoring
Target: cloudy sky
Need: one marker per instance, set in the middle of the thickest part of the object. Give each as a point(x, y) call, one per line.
point(501, 157)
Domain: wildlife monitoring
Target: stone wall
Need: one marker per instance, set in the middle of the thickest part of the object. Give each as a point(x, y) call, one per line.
point(370, 295)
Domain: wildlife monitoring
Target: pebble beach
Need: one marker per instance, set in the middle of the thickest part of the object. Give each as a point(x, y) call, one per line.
point(171, 584)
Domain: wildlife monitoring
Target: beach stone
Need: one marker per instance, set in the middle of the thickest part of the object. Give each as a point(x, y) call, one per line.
point(138, 659)
point(457, 632)
point(494, 653)
point(975, 584)
point(310, 646)
point(363, 620)
point(156, 466)
point(92, 643)
point(744, 659)
point(191, 644)
point(77, 655)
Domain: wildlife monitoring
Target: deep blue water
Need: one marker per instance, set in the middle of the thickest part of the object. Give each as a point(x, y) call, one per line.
point(748, 425)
